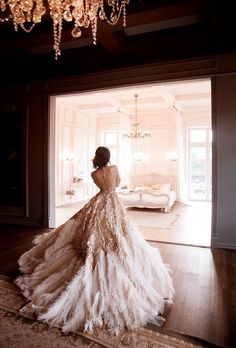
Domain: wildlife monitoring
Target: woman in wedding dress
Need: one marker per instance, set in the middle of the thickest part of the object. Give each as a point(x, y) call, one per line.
point(96, 270)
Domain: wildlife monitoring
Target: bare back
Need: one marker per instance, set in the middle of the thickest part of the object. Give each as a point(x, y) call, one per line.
point(106, 178)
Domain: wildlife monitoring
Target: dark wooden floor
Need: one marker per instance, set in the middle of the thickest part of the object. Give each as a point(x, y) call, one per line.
point(204, 280)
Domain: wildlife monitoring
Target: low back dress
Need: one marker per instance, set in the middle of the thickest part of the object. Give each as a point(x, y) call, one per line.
point(96, 270)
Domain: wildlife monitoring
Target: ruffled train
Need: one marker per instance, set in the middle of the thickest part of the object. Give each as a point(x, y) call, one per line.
point(95, 270)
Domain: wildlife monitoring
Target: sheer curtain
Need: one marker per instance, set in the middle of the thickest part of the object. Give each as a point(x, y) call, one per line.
point(182, 175)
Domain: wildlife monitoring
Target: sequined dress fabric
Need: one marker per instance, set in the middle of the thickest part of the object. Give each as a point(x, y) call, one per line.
point(95, 270)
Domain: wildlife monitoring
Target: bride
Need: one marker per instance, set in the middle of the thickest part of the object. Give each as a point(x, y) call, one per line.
point(96, 270)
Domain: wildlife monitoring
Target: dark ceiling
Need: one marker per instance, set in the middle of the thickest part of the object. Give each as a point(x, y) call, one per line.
point(156, 31)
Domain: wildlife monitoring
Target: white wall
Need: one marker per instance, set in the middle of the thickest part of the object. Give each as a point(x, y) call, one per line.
point(156, 148)
point(161, 143)
point(78, 135)
point(75, 144)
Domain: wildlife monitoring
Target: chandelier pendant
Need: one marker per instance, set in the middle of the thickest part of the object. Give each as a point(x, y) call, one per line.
point(136, 132)
point(83, 14)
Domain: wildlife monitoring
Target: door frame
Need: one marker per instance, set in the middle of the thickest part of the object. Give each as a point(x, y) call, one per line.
point(52, 147)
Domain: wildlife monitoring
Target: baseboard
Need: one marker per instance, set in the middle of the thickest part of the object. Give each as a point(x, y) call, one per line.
point(214, 243)
point(226, 246)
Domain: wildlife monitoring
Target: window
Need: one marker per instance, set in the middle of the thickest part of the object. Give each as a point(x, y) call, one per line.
point(199, 160)
point(111, 140)
point(120, 154)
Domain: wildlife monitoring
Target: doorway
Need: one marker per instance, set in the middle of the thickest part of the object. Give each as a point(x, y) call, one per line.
point(171, 112)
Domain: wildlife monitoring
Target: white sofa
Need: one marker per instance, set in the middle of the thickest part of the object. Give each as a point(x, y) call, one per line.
point(150, 191)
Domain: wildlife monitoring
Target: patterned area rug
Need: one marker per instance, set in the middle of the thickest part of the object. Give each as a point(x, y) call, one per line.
point(152, 218)
point(17, 331)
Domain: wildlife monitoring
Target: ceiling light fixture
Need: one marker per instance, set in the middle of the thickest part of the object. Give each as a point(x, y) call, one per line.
point(83, 14)
point(136, 132)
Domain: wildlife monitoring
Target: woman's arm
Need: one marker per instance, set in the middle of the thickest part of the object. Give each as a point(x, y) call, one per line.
point(93, 175)
point(117, 177)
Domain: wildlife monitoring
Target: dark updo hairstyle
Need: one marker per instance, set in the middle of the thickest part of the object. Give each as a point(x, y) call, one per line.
point(102, 157)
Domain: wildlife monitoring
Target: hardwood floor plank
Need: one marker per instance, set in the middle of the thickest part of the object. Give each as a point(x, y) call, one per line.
point(205, 300)
point(204, 280)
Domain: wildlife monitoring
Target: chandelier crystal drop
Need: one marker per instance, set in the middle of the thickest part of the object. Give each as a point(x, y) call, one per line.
point(83, 13)
point(136, 131)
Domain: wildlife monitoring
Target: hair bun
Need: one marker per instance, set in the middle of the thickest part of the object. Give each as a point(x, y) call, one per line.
point(102, 157)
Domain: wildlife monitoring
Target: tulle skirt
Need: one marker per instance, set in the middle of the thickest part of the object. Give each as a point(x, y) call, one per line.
point(95, 270)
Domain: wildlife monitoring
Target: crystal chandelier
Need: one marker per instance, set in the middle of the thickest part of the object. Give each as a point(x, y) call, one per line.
point(136, 132)
point(83, 14)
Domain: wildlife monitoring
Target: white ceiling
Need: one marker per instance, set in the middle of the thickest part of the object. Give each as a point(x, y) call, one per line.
point(187, 96)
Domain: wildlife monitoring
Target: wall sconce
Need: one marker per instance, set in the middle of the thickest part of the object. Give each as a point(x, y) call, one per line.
point(172, 157)
point(139, 157)
point(68, 157)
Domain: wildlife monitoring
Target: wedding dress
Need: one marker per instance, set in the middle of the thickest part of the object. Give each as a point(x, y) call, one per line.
point(96, 269)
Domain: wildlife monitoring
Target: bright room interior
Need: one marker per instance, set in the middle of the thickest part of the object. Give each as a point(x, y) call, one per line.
point(178, 152)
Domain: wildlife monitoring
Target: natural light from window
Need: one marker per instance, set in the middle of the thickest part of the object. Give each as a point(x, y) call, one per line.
point(199, 160)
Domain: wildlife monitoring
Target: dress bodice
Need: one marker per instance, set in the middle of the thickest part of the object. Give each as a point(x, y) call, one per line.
point(106, 178)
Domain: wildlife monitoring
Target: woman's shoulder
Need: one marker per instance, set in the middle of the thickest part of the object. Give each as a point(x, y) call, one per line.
point(113, 168)
point(94, 173)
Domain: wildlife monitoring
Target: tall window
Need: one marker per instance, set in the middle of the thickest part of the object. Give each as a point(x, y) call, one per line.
point(120, 154)
point(199, 164)
point(111, 140)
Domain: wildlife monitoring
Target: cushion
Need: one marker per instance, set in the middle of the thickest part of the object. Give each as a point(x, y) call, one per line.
point(143, 188)
point(156, 186)
point(165, 187)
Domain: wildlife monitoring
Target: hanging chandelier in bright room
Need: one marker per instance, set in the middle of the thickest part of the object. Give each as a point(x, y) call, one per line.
point(136, 132)
point(83, 13)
